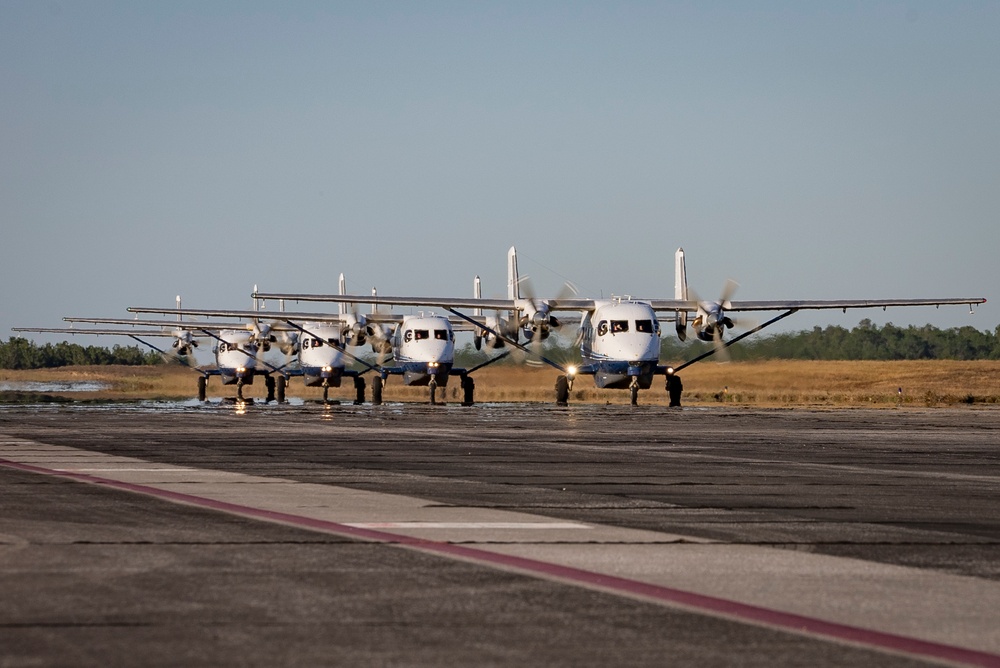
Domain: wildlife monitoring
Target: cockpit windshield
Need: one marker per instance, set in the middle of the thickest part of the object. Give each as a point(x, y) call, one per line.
point(619, 326)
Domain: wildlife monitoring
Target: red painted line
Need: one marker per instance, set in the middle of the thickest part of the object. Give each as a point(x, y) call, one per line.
point(734, 610)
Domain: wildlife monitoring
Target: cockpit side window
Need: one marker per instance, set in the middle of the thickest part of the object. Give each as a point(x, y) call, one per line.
point(420, 334)
point(644, 326)
point(619, 326)
point(602, 328)
point(441, 334)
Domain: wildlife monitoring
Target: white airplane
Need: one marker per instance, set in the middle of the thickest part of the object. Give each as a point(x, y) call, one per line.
point(619, 337)
point(423, 346)
point(236, 352)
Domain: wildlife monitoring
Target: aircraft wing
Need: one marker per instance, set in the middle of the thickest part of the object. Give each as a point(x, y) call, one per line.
point(812, 304)
point(169, 324)
point(571, 304)
point(96, 331)
point(576, 304)
point(259, 315)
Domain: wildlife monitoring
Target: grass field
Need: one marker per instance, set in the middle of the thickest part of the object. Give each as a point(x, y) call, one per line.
point(771, 383)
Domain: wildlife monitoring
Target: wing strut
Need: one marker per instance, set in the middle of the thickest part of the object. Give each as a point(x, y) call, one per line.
point(554, 365)
point(489, 361)
point(162, 352)
point(735, 340)
point(336, 346)
point(249, 354)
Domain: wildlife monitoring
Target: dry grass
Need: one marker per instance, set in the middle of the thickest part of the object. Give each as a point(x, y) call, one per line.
point(773, 383)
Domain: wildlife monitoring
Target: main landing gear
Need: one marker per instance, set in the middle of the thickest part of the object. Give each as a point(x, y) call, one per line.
point(563, 385)
point(468, 390)
point(467, 384)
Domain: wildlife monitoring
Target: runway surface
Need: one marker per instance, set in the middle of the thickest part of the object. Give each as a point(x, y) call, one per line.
point(161, 534)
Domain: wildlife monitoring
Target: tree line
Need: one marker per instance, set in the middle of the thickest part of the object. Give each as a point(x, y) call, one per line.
point(19, 353)
point(867, 341)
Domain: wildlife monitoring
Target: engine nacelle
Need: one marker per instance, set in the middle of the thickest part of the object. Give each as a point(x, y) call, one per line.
point(184, 342)
point(288, 344)
point(711, 323)
point(380, 338)
point(540, 326)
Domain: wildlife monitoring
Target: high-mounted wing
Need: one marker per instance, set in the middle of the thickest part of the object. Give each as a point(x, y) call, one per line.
point(99, 331)
point(261, 315)
point(560, 304)
point(812, 304)
point(165, 324)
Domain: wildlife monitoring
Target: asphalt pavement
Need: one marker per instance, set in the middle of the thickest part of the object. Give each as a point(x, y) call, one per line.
point(168, 534)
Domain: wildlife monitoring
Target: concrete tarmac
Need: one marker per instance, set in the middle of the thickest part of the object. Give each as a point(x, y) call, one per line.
point(166, 534)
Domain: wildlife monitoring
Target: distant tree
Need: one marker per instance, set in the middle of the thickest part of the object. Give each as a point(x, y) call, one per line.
point(19, 353)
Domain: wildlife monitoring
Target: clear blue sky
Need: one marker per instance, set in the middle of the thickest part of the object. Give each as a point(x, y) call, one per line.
point(808, 150)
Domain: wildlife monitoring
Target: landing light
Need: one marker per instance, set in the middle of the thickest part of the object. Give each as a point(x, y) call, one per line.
point(571, 370)
point(432, 365)
point(241, 369)
point(327, 369)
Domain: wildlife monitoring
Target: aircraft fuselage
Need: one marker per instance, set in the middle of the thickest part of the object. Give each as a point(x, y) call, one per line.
point(235, 357)
point(424, 348)
point(620, 343)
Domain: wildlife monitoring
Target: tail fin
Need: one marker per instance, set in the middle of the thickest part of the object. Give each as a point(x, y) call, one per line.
point(342, 306)
point(680, 291)
point(477, 293)
point(513, 290)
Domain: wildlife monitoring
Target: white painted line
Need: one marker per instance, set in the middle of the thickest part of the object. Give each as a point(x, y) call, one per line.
point(466, 525)
point(115, 470)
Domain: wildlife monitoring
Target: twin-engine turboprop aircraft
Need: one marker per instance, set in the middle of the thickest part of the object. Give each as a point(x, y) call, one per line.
point(619, 337)
point(423, 345)
point(236, 350)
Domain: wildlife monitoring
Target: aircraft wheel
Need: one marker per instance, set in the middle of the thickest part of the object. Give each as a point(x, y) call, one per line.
point(202, 388)
point(634, 389)
point(377, 391)
point(269, 384)
point(326, 393)
point(280, 389)
point(562, 391)
point(359, 390)
point(433, 387)
point(468, 390)
point(239, 391)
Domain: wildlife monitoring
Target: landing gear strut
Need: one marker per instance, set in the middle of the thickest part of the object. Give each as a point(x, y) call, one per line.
point(468, 390)
point(377, 391)
point(562, 391)
point(269, 384)
point(634, 391)
point(280, 389)
point(202, 387)
point(359, 390)
point(433, 385)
